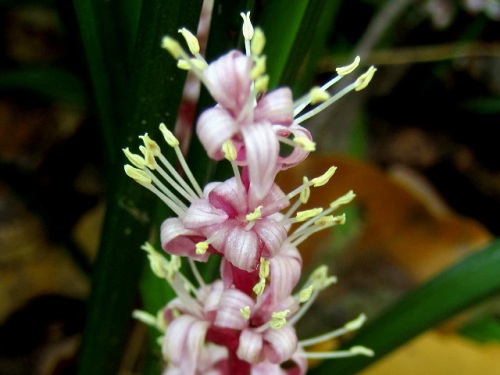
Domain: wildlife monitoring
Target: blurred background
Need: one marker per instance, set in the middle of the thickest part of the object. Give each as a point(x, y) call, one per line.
point(418, 146)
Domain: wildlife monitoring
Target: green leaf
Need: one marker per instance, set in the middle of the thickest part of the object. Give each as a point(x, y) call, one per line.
point(483, 329)
point(462, 285)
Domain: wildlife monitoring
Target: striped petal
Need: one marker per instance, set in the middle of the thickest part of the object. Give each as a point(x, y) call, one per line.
point(214, 127)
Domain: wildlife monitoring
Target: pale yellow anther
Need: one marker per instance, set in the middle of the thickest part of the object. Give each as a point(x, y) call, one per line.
point(258, 288)
point(192, 42)
point(356, 323)
point(151, 145)
point(258, 42)
point(307, 214)
point(364, 79)
point(245, 312)
point(172, 46)
point(175, 261)
point(158, 263)
point(305, 294)
point(345, 70)
point(160, 321)
point(264, 268)
point(344, 199)
point(306, 192)
point(229, 150)
point(262, 83)
point(305, 143)
point(319, 278)
point(256, 214)
point(149, 158)
point(325, 221)
point(247, 26)
point(137, 174)
point(135, 159)
point(322, 180)
point(318, 95)
point(278, 319)
point(169, 136)
point(201, 247)
point(259, 67)
point(183, 64)
point(362, 350)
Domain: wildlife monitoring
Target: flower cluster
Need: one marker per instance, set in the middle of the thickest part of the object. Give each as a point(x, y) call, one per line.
point(242, 323)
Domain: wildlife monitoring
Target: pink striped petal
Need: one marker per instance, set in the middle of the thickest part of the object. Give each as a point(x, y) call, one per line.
point(214, 127)
point(272, 234)
point(178, 240)
point(275, 107)
point(228, 80)
point(228, 313)
point(184, 339)
point(201, 213)
point(280, 344)
point(250, 346)
point(298, 154)
point(229, 198)
point(262, 148)
point(241, 248)
point(285, 269)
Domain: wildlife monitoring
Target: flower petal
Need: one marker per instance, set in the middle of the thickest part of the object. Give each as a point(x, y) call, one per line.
point(178, 240)
point(272, 234)
point(228, 80)
point(262, 148)
point(250, 346)
point(285, 269)
point(229, 198)
point(298, 154)
point(275, 107)
point(214, 127)
point(228, 313)
point(184, 339)
point(241, 249)
point(201, 213)
point(280, 344)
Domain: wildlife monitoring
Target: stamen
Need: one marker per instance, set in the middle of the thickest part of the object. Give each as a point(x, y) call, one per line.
point(159, 265)
point(138, 175)
point(258, 42)
point(256, 214)
point(192, 42)
point(305, 294)
point(150, 144)
point(245, 312)
point(258, 288)
point(318, 95)
point(278, 319)
point(201, 247)
point(261, 84)
point(135, 159)
point(264, 268)
point(170, 138)
point(196, 273)
point(348, 69)
point(259, 68)
point(247, 26)
point(145, 317)
point(306, 193)
point(346, 198)
point(365, 79)
point(323, 179)
point(305, 143)
point(172, 46)
point(229, 150)
point(355, 350)
point(307, 214)
point(348, 327)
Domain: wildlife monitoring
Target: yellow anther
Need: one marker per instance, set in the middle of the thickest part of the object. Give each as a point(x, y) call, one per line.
point(318, 95)
point(345, 70)
point(261, 83)
point(247, 26)
point(245, 312)
point(158, 263)
point(169, 136)
point(183, 64)
point(305, 143)
point(229, 150)
point(192, 42)
point(201, 247)
point(325, 221)
point(137, 174)
point(344, 199)
point(175, 261)
point(319, 278)
point(362, 350)
point(198, 64)
point(148, 157)
point(364, 79)
point(356, 323)
point(259, 67)
point(264, 268)
point(258, 288)
point(258, 42)
point(307, 214)
point(278, 319)
point(305, 294)
point(135, 159)
point(256, 214)
point(151, 145)
point(172, 46)
point(322, 180)
point(306, 192)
